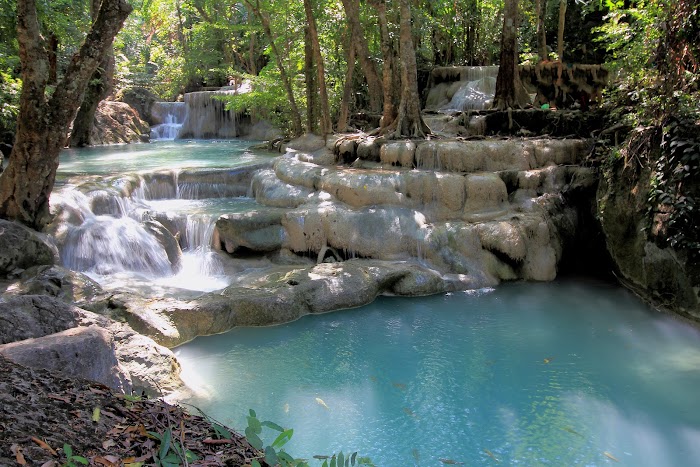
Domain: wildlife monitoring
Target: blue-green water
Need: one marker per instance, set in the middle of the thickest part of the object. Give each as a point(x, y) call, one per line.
point(564, 373)
point(180, 154)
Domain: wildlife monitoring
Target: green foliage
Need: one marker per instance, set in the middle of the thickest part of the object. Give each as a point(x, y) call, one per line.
point(9, 100)
point(275, 454)
point(674, 197)
point(73, 460)
point(266, 99)
point(170, 453)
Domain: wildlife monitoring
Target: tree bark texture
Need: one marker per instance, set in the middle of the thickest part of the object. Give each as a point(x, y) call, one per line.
point(326, 122)
point(409, 122)
point(388, 69)
point(510, 92)
point(310, 81)
point(297, 128)
point(374, 85)
point(540, 10)
point(43, 121)
point(560, 41)
point(99, 87)
point(343, 118)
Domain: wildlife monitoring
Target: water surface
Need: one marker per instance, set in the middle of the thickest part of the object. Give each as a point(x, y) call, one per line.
point(564, 373)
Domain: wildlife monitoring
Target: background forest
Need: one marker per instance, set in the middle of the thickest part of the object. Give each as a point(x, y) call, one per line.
point(177, 46)
point(322, 62)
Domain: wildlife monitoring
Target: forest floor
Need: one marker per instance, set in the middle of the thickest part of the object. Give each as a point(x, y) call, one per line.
point(49, 420)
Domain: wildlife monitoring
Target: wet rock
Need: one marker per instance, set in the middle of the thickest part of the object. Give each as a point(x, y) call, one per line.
point(666, 277)
point(259, 230)
point(398, 153)
point(167, 241)
point(269, 190)
point(21, 248)
point(308, 143)
point(82, 352)
point(68, 286)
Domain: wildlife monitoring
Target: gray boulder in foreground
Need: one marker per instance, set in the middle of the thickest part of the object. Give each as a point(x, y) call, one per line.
point(82, 352)
point(21, 248)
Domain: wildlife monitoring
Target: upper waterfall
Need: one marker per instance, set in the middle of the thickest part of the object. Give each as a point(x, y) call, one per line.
point(207, 117)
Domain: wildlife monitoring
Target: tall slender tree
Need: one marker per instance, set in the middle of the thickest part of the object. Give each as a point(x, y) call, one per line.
point(326, 123)
point(286, 82)
point(42, 124)
point(409, 121)
point(510, 92)
point(541, 33)
point(374, 84)
point(99, 87)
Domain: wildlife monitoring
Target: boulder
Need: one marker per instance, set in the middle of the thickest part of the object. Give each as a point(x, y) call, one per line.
point(116, 123)
point(30, 316)
point(141, 100)
point(259, 230)
point(68, 286)
point(21, 248)
point(153, 369)
point(167, 241)
point(82, 352)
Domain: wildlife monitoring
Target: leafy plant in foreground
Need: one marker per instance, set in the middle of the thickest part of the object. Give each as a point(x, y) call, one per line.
point(275, 455)
point(73, 460)
point(170, 454)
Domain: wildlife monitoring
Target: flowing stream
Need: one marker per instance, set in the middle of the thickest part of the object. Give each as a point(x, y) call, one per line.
point(574, 372)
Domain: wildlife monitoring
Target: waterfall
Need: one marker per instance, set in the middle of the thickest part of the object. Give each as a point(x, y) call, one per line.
point(170, 116)
point(477, 87)
point(207, 117)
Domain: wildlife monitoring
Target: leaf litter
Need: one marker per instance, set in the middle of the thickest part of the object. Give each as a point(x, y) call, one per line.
point(42, 411)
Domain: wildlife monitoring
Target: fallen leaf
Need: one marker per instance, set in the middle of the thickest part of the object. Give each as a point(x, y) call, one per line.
point(65, 399)
point(108, 444)
point(96, 414)
point(16, 450)
point(107, 461)
point(44, 446)
point(50, 463)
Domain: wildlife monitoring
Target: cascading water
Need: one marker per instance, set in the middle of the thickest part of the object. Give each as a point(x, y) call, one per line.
point(171, 116)
point(477, 87)
point(157, 226)
point(207, 117)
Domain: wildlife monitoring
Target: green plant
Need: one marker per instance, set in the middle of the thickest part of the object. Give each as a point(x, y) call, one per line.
point(275, 455)
point(73, 460)
point(674, 196)
point(170, 454)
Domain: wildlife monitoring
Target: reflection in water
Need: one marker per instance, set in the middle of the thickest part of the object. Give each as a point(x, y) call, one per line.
point(568, 373)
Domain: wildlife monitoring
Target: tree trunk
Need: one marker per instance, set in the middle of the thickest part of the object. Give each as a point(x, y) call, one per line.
point(374, 85)
point(310, 80)
point(43, 122)
point(347, 87)
point(540, 10)
point(409, 122)
point(510, 92)
point(100, 86)
point(326, 122)
point(389, 112)
point(286, 82)
point(53, 58)
point(560, 42)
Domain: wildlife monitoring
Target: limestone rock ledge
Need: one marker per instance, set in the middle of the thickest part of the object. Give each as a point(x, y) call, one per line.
point(661, 275)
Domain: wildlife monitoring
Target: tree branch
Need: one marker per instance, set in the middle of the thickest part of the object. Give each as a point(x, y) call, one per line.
point(32, 53)
point(72, 87)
